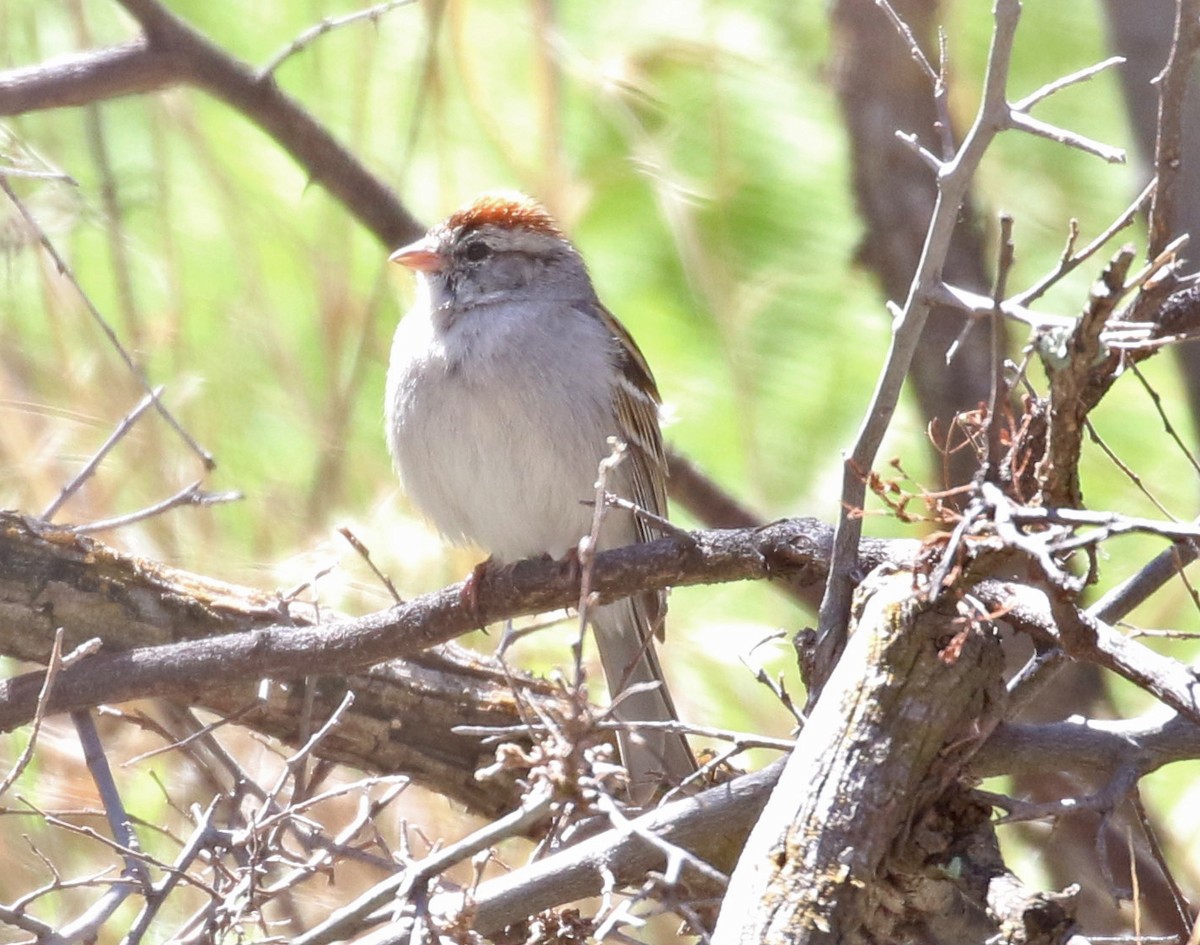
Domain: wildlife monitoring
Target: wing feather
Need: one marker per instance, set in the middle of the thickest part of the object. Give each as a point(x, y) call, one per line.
point(635, 402)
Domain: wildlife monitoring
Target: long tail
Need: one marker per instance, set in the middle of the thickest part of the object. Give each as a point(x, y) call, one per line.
point(653, 758)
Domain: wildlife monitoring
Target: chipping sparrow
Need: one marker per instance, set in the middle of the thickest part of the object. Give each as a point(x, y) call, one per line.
point(506, 379)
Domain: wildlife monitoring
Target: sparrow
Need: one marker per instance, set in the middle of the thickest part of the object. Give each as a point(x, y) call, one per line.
point(506, 381)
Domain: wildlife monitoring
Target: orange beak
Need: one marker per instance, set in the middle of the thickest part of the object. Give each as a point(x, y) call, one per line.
point(419, 256)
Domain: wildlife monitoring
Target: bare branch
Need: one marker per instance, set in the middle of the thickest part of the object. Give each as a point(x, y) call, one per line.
point(349, 918)
point(1072, 139)
point(1088, 747)
point(172, 53)
point(201, 837)
point(1071, 260)
point(778, 551)
point(1074, 78)
point(1166, 679)
point(52, 667)
point(189, 495)
point(68, 81)
point(328, 25)
point(91, 465)
point(106, 787)
point(1168, 153)
point(817, 854)
point(914, 47)
point(620, 857)
point(953, 184)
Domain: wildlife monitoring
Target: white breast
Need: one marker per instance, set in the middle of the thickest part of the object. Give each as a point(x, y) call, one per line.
point(497, 425)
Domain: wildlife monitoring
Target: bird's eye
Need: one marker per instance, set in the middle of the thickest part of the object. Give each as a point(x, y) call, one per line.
point(477, 250)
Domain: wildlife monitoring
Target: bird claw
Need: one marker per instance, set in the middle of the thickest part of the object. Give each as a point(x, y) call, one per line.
point(571, 565)
point(469, 595)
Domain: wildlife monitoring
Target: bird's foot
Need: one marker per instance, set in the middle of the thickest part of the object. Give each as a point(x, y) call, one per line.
point(571, 565)
point(469, 596)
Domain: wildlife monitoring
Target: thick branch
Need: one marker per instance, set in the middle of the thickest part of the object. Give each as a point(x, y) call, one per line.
point(875, 758)
point(404, 714)
point(261, 100)
point(406, 711)
point(88, 77)
point(50, 579)
point(1168, 155)
point(1087, 638)
point(1071, 368)
point(713, 826)
point(1092, 748)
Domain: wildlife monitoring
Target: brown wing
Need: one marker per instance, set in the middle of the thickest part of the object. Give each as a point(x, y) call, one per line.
point(635, 402)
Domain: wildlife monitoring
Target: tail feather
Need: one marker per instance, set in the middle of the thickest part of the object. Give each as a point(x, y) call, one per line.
point(653, 758)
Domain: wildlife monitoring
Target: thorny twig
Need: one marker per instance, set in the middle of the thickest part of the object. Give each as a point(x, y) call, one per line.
point(365, 554)
point(588, 546)
point(744, 740)
point(53, 664)
point(663, 525)
point(342, 921)
point(327, 25)
point(994, 115)
point(189, 495)
point(937, 81)
point(205, 457)
point(90, 466)
point(1071, 260)
point(200, 838)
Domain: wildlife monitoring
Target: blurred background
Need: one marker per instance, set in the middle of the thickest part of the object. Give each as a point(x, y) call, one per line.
point(696, 154)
